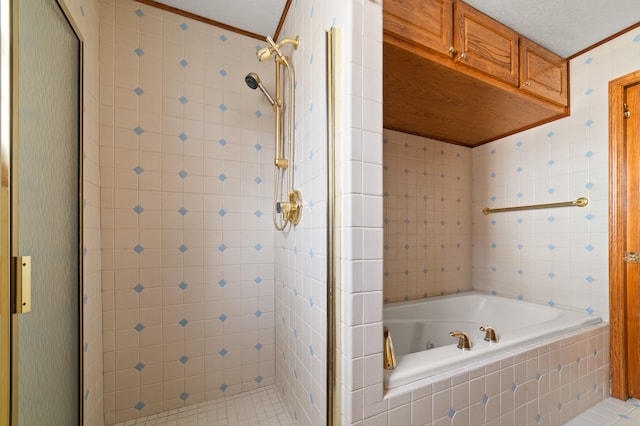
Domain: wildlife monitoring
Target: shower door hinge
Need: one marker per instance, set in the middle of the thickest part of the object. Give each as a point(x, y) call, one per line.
point(21, 272)
point(627, 112)
point(632, 256)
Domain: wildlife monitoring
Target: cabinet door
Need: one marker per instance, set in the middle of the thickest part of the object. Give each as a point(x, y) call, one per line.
point(485, 44)
point(542, 72)
point(426, 23)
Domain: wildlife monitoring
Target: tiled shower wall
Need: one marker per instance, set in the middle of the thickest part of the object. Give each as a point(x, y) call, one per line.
point(557, 256)
point(187, 236)
point(427, 217)
point(301, 253)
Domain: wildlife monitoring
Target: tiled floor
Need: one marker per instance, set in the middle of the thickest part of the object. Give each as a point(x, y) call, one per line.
point(260, 407)
point(610, 412)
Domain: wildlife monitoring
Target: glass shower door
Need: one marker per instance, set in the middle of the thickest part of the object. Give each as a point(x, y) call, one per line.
point(46, 217)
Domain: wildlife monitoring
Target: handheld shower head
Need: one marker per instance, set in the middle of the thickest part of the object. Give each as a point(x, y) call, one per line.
point(253, 81)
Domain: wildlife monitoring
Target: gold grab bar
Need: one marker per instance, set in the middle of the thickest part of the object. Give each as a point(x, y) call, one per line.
point(580, 202)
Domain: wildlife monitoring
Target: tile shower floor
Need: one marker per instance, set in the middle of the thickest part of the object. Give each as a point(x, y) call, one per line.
point(259, 407)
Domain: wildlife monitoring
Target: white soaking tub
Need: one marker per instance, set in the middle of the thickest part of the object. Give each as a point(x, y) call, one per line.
point(420, 331)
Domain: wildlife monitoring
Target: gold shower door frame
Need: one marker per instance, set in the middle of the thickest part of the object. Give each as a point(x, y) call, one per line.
point(9, 205)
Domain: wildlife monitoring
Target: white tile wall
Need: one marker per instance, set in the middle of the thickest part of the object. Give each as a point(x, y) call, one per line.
point(427, 217)
point(188, 242)
point(556, 256)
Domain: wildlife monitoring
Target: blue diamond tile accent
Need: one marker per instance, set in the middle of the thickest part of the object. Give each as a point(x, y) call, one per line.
point(258, 346)
point(183, 100)
point(222, 247)
point(184, 26)
point(551, 219)
point(589, 216)
point(222, 317)
point(258, 280)
point(183, 285)
point(451, 413)
point(223, 72)
point(551, 162)
point(588, 123)
point(513, 387)
point(519, 246)
point(589, 248)
point(551, 247)
point(623, 416)
point(519, 144)
point(139, 406)
point(222, 142)
point(222, 107)
point(258, 147)
point(589, 279)
point(138, 130)
point(183, 248)
point(485, 399)
point(258, 213)
point(139, 12)
point(493, 175)
point(589, 310)
point(519, 195)
point(258, 379)
point(258, 313)
point(222, 283)
point(183, 174)
point(222, 212)
point(588, 60)
point(138, 288)
point(311, 350)
point(258, 114)
point(139, 51)
point(183, 63)
point(538, 376)
point(138, 170)
point(223, 387)
point(519, 170)
point(182, 211)
point(258, 180)
point(183, 359)
point(550, 134)
point(223, 38)
point(551, 191)
point(588, 91)
point(138, 91)
point(223, 352)
point(588, 154)
point(493, 245)
point(139, 327)
point(138, 249)
point(551, 303)
point(184, 396)
point(139, 366)
point(222, 177)
point(637, 38)
point(183, 322)
point(258, 247)
point(138, 209)
point(183, 137)
point(520, 272)
point(551, 275)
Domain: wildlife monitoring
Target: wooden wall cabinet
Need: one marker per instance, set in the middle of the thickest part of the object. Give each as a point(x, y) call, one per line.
point(454, 74)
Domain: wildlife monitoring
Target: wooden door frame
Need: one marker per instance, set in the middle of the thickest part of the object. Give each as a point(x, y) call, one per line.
point(617, 234)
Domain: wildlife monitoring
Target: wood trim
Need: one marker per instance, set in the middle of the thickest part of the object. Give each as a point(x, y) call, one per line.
point(606, 40)
point(617, 235)
point(285, 12)
point(200, 18)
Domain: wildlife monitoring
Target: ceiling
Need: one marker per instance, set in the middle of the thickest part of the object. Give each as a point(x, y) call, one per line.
point(565, 27)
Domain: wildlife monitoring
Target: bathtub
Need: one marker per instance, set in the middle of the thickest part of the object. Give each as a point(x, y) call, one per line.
point(420, 331)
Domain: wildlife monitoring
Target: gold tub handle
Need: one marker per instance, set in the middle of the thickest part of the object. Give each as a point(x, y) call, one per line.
point(388, 354)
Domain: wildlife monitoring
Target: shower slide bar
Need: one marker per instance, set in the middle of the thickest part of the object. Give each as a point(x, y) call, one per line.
point(580, 202)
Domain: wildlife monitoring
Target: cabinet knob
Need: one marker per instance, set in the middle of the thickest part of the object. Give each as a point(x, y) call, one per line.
point(463, 56)
point(526, 84)
point(452, 50)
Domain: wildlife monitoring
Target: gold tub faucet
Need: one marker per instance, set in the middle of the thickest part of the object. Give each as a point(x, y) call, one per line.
point(388, 353)
point(463, 340)
point(490, 334)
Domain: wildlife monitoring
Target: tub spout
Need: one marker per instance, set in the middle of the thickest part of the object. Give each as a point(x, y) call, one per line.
point(388, 354)
point(463, 340)
point(490, 335)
